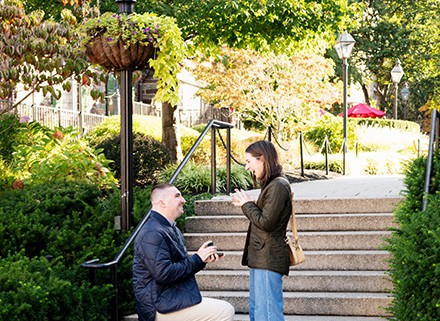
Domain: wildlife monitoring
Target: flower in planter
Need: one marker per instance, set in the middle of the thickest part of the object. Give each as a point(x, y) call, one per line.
point(119, 41)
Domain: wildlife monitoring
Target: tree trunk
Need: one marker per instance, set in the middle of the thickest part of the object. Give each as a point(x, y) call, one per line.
point(366, 96)
point(170, 131)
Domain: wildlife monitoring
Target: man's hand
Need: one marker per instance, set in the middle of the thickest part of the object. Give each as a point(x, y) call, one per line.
point(208, 253)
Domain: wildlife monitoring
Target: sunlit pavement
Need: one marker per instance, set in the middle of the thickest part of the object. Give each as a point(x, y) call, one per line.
point(348, 187)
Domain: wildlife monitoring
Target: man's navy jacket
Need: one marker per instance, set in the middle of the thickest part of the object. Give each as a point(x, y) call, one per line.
point(163, 272)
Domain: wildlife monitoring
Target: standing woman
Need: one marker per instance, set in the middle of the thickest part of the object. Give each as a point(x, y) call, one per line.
point(265, 252)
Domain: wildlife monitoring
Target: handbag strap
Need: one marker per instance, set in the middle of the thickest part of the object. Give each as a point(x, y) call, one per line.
point(293, 223)
point(292, 216)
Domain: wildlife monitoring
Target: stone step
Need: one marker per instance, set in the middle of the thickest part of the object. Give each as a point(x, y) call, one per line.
point(221, 205)
point(340, 240)
point(375, 260)
point(316, 303)
point(309, 281)
point(305, 222)
point(245, 317)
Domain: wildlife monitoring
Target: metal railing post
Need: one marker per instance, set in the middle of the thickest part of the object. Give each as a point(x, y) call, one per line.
point(269, 133)
point(326, 155)
point(301, 152)
point(213, 162)
point(228, 160)
point(344, 165)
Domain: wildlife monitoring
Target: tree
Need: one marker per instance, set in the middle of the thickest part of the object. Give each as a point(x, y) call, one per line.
point(271, 25)
point(405, 30)
point(272, 90)
point(282, 26)
point(38, 53)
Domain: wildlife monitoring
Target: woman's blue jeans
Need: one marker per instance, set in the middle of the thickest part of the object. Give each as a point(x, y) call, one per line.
point(265, 295)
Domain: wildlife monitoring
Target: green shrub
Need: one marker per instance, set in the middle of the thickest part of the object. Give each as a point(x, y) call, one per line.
point(371, 138)
point(61, 219)
point(240, 178)
point(111, 126)
point(367, 134)
point(193, 179)
point(199, 128)
point(202, 154)
point(141, 202)
point(151, 126)
point(415, 180)
point(249, 123)
point(335, 164)
point(9, 129)
point(72, 222)
point(402, 125)
point(6, 176)
point(196, 179)
point(415, 248)
point(58, 154)
point(380, 163)
point(149, 156)
point(34, 290)
point(331, 127)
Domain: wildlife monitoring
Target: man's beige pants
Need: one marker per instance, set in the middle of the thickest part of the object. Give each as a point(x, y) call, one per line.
point(207, 310)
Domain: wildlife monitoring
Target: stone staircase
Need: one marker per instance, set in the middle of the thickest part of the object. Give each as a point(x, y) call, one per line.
point(343, 277)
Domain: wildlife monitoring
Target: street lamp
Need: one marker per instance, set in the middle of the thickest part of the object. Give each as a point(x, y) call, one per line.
point(396, 75)
point(405, 95)
point(344, 46)
point(126, 6)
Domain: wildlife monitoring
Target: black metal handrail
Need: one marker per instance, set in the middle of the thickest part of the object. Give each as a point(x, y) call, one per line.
point(94, 264)
point(428, 171)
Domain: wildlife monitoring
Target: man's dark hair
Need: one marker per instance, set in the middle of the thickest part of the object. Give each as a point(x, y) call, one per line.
point(159, 187)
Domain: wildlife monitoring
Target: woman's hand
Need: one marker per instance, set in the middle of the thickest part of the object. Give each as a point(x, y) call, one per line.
point(240, 197)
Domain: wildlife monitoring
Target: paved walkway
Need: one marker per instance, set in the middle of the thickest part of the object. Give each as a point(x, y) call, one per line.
point(349, 187)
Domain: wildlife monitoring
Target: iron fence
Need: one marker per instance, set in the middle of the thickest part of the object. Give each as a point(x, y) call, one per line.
point(58, 117)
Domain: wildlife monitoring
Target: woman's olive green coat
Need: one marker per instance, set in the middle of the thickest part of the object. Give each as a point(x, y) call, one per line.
point(265, 246)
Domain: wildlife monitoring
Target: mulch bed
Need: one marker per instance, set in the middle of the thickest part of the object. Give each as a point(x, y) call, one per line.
point(309, 175)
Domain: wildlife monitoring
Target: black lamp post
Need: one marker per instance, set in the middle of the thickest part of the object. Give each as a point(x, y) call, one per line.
point(126, 6)
point(396, 75)
point(344, 46)
point(405, 94)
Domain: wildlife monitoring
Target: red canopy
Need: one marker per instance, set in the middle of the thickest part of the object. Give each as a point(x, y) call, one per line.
point(363, 111)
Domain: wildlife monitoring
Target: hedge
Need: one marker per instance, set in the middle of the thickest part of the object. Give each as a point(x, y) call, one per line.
point(35, 289)
point(415, 248)
point(68, 223)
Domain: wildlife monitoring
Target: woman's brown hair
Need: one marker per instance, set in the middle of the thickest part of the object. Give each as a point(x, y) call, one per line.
point(272, 166)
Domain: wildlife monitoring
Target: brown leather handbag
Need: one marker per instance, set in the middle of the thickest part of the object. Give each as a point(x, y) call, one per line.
point(295, 250)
